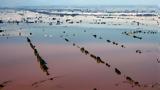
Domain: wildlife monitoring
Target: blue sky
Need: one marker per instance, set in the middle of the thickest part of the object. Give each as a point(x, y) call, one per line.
point(76, 2)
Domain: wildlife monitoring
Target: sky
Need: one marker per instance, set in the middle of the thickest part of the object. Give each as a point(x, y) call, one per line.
point(13, 3)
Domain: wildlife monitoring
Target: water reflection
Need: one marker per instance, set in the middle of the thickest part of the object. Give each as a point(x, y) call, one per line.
point(1, 31)
point(3, 84)
point(130, 82)
point(12, 33)
point(132, 33)
point(140, 32)
point(158, 60)
point(117, 71)
point(43, 64)
point(94, 88)
point(37, 83)
point(129, 79)
point(109, 41)
point(139, 51)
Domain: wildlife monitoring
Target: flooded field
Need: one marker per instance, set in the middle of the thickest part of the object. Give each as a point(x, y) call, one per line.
point(50, 57)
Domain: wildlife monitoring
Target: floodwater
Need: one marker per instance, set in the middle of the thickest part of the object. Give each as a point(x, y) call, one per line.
point(43, 57)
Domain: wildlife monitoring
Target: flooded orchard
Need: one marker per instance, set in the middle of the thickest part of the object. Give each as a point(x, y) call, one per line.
point(77, 57)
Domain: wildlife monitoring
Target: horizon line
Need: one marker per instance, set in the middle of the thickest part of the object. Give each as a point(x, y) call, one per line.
point(78, 6)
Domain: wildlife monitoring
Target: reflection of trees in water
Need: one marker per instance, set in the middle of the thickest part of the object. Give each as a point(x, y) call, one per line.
point(37, 83)
point(43, 64)
point(3, 84)
point(121, 45)
point(108, 41)
point(10, 33)
point(132, 33)
point(158, 60)
point(152, 85)
point(1, 31)
point(128, 79)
